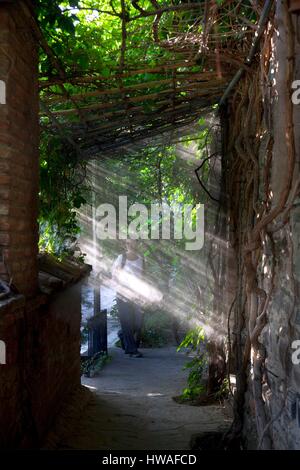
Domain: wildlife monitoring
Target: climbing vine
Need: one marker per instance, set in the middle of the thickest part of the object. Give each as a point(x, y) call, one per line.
point(99, 102)
point(256, 219)
point(63, 189)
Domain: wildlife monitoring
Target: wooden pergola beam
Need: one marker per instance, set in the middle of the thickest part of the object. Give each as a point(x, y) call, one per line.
point(145, 98)
point(131, 73)
point(201, 77)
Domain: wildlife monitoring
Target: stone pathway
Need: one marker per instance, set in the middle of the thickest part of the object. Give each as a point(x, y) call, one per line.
point(132, 406)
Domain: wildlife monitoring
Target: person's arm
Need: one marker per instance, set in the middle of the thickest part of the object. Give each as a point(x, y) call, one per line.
point(116, 266)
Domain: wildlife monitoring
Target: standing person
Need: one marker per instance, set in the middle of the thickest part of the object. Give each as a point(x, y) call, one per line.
point(127, 271)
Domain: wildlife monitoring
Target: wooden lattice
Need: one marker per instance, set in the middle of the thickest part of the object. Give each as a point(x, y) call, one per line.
point(196, 48)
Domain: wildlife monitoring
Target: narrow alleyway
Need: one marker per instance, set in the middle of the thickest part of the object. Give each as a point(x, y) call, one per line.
point(175, 124)
point(132, 406)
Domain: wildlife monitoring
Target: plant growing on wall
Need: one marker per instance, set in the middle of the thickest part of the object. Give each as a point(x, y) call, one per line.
point(63, 189)
point(195, 343)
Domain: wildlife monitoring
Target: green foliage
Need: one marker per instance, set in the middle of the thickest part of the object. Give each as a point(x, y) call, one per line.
point(86, 37)
point(152, 175)
point(62, 192)
point(92, 366)
point(157, 329)
point(84, 333)
point(195, 342)
point(114, 310)
point(50, 15)
point(224, 391)
point(194, 389)
point(58, 29)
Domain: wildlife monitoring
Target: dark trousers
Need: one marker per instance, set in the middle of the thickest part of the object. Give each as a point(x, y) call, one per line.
point(131, 320)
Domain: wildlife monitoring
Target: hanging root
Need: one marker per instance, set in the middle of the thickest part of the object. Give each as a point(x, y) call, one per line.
point(255, 222)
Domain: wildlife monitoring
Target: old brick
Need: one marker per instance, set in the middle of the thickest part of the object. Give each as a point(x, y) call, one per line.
point(19, 146)
point(4, 179)
point(4, 191)
point(4, 209)
point(4, 238)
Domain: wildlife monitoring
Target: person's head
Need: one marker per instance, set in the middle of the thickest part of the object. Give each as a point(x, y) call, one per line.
point(131, 246)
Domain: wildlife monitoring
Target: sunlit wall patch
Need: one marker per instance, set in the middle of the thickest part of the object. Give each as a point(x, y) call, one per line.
point(2, 92)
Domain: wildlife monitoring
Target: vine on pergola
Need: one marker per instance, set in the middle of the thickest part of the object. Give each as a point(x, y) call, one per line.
point(114, 72)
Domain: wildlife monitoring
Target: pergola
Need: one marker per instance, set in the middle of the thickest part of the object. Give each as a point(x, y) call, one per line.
point(190, 53)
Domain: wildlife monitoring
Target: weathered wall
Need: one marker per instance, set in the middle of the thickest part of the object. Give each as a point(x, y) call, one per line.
point(19, 134)
point(283, 327)
point(42, 335)
point(43, 364)
point(263, 163)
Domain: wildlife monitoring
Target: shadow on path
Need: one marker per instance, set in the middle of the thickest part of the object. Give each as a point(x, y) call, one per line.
point(132, 406)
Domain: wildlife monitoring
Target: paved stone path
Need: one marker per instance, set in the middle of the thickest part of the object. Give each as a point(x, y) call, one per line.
point(132, 406)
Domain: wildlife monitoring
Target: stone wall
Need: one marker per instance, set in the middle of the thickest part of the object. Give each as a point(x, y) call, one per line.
point(42, 368)
point(282, 389)
point(278, 249)
point(19, 134)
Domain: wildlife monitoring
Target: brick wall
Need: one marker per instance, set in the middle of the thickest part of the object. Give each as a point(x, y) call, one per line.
point(42, 335)
point(42, 368)
point(19, 133)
